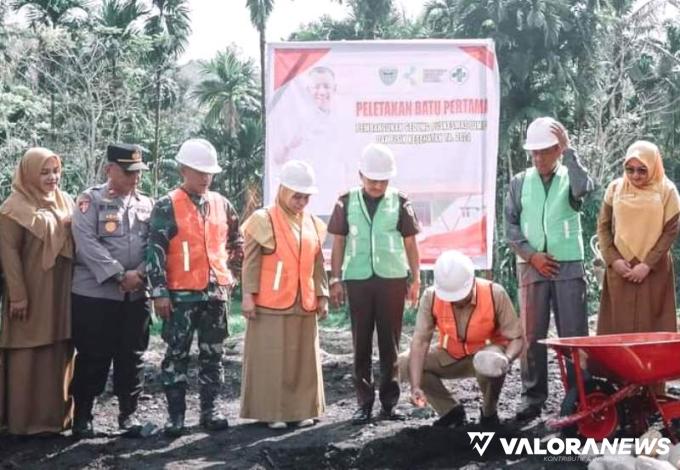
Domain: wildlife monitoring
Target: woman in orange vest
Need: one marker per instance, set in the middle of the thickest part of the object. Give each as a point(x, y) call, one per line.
point(284, 289)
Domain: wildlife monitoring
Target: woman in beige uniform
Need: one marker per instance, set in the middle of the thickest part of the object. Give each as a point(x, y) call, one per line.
point(284, 289)
point(637, 226)
point(36, 250)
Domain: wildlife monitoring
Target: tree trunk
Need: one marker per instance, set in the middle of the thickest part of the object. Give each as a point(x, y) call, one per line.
point(157, 136)
point(263, 85)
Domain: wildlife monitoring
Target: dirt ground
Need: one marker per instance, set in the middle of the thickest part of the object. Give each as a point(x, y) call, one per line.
point(333, 443)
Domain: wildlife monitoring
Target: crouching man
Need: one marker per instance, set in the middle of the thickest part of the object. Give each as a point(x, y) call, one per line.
point(479, 336)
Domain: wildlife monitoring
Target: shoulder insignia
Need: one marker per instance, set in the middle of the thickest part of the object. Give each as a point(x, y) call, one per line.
point(83, 203)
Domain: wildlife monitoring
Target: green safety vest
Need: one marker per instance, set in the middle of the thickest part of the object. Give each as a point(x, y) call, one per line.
point(374, 246)
point(547, 220)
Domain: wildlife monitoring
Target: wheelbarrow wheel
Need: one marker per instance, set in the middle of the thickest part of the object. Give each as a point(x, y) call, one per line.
point(604, 424)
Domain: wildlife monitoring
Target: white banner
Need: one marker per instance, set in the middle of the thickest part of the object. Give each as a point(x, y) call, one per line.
point(435, 103)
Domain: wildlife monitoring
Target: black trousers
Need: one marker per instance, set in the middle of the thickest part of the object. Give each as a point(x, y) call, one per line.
point(376, 304)
point(106, 331)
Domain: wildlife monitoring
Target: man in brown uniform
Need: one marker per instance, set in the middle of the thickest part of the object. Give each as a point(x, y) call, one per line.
point(479, 336)
point(375, 248)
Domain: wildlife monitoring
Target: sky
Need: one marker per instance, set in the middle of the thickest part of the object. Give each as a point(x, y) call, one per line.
point(218, 23)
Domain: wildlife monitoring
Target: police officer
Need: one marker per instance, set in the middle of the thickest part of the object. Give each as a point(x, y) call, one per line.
point(110, 308)
point(195, 254)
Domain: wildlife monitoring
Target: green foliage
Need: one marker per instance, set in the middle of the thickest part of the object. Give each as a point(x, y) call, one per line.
point(259, 12)
point(228, 89)
point(52, 12)
point(84, 74)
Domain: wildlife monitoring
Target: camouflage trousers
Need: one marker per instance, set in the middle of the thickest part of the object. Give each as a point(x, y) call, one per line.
point(209, 320)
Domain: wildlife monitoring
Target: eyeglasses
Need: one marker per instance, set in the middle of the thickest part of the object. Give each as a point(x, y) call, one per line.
point(640, 170)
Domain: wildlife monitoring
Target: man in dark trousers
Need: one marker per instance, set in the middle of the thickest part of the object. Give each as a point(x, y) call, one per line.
point(543, 227)
point(373, 250)
point(110, 308)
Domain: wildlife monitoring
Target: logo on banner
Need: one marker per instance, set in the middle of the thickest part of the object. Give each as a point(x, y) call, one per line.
point(480, 441)
point(388, 75)
point(410, 75)
point(459, 75)
point(571, 446)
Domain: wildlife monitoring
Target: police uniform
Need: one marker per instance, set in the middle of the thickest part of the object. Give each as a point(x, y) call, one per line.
point(110, 233)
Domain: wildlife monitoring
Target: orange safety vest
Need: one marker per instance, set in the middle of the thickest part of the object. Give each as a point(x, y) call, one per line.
point(289, 270)
point(200, 244)
point(481, 327)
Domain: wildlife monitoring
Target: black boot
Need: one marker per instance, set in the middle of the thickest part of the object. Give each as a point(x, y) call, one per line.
point(127, 421)
point(363, 414)
point(174, 427)
point(489, 422)
point(211, 419)
point(82, 419)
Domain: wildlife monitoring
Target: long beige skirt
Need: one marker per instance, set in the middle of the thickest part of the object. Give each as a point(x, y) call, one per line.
point(34, 386)
point(281, 378)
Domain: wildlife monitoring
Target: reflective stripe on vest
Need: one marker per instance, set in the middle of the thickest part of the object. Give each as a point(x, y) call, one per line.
point(548, 221)
point(289, 270)
point(374, 246)
point(481, 327)
point(199, 245)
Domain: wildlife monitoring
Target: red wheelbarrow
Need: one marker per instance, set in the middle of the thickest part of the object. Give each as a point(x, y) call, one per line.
point(617, 388)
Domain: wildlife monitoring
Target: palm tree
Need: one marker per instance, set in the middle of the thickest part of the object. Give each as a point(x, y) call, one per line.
point(228, 90)
point(247, 165)
point(121, 15)
point(51, 12)
point(170, 28)
point(259, 14)
point(371, 17)
point(119, 19)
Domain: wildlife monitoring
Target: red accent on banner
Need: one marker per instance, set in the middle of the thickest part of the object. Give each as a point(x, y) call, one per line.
point(289, 63)
point(470, 240)
point(481, 53)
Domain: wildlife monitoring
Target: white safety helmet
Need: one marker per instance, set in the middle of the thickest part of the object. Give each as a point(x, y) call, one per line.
point(540, 135)
point(298, 176)
point(377, 162)
point(200, 155)
point(454, 276)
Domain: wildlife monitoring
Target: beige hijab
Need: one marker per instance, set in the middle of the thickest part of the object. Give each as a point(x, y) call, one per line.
point(259, 227)
point(41, 214)
point(641, 213)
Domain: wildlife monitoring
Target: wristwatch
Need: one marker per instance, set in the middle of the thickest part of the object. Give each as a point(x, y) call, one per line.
point(334, 280)
point(119, 276)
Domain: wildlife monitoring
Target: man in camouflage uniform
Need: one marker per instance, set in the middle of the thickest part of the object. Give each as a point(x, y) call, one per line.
point(110, 308)
point(194, 255)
